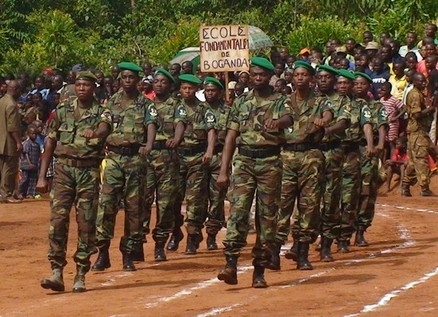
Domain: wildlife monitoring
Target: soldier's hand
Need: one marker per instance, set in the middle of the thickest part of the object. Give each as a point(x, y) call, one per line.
point(320, 122)
point(207, 157)
point(89, 134)
point(223, 181)
point(144, 150)
point(378, 149)
point(271, 124)
point(171, 143)
point(369, 151)
point(42, 185)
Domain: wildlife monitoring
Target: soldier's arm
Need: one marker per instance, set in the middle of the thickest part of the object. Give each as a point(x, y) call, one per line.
point(151, 133)
point(339, 126)
point(46, 158)
point(178, 137)
point(383, 130)
point(227, 154)
point(212, 136)
point(368, 132)
point(281, 123)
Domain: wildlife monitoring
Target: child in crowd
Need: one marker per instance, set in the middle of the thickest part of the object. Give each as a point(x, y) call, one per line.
point(398, 161)
point(29, 162)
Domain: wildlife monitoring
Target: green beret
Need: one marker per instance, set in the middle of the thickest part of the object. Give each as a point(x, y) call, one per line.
point(263, 63)
point(345, 73)
point(327, 68)
point(360, 74)
point(214, 81)
point(165, 73)
point(189, 78)
point(86, 75)
point(303, 64)
point(130, 66)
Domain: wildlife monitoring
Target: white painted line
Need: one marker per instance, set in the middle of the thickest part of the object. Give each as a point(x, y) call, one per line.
point(112, 279)
point(409, 208)
point(217, 311)
point(189, 291)
point(394, 293)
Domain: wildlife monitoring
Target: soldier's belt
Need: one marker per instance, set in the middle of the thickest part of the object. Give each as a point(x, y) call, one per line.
point(260, 152)
point(300, 147)
point(218, 148)
point(327, 146)
point(80, 163)
point(124, 150)
point(193, 150)
point(159, 145)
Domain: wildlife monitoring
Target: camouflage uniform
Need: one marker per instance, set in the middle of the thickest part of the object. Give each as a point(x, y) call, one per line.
point(369, 170)
point(76, 180)
point(123, 170)
point(257, 166)
point(419, 143)
point(334, 157)
point(162, 171)
point(192, 173)
point(351, 175)
point(303, 172)
point(216, 195)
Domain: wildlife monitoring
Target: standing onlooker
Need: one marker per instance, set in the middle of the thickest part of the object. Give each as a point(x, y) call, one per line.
point(29, 162)
point(10, 142)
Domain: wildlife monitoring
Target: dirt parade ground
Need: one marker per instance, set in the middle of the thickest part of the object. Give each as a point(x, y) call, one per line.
point(397, 275)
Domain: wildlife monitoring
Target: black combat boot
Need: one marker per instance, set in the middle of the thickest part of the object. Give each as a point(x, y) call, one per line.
point(325, 253)
point(258, 277)
point(292, 254)
point(192, 243)
point(128, 264)
point(79, 281)
point(274, 263)
point(55, 282)
point(343, 246)
point(175, 239)
point(426, 192)
point(229, 273)
point(103, 259)
point(138, 254)
point(303, 256)
point(360, 239)
point(159, 254)
point(211, 242)
point(406, 190)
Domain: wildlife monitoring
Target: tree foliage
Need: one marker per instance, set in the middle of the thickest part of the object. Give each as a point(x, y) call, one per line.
point(39, 33)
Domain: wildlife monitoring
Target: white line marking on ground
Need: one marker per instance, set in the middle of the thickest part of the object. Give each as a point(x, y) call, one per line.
point(217, 311)
point(188, 291)
point(409, 208)
point(394, 293)
point(112, 279)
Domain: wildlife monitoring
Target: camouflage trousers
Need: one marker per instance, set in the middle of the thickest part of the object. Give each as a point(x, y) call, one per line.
point(216, 198)
point(193, 187)
point(331, 212)
point(78, 187)
point(419, 145)
point(161, 184)
point(122, 179)
point(302, 182)
point(368, 194)
point(351, 180)
point(249, 175)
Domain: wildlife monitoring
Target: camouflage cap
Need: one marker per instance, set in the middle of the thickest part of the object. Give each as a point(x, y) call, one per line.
point(86, 75)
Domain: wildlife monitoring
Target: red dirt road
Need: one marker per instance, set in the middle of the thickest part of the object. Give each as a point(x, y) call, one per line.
point(397, 275)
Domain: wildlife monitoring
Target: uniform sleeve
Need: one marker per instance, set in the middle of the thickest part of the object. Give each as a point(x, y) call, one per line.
point(413, 102)
point(365, 115)
point(52, 129)
point(382, 117)
point(180, 114)
point(325, 105)
point(283, 108)
point(345, 111)
point(209, 119)
point(151, 116)
point(233, 118)
point(13, 118)
point(106, 116)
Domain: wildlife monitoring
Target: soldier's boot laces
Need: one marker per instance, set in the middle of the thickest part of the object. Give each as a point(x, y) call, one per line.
point(55, 282)
point(343, 246)
point(103, 259)
point(303, 262)
point(79, 280)
point(360, 237)
point(192, 243)
point(175, 239)
point(211, 242)
point(159, 253)
point(292, 254)
point(229, 273)
point(274, 263)
point(258, 277)
point(128, 264)
point(325, 253)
